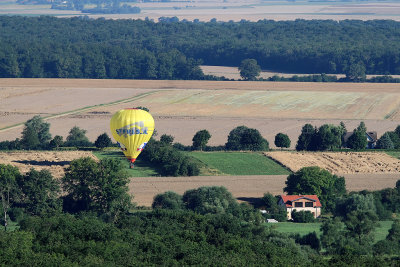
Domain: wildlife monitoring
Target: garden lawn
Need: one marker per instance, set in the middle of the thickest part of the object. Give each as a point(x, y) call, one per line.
point(141, 169)
point(240, 163)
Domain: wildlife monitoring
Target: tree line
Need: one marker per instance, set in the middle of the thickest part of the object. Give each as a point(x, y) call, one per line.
point(80, 47)
point(95, 222)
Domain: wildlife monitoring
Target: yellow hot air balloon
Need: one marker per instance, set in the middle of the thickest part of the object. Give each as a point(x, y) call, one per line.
point(132, 129)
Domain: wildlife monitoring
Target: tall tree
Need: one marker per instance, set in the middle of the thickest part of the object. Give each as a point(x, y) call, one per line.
point(39, 192)
point(77, 137)
point(101, 187)
point(103, 141)
point(282, 140)
point(385, 142)
point(8, 188)
point(249, 69)
point(200, 139)
point(244, 138)
point(305, 140)
point(316, 181)
point(358, 140)
point(36, 133)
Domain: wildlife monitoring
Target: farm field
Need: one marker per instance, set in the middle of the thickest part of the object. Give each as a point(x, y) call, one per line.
point(235, 10)
point(243, 187)
point(338, 162)
point(240, 163)
point(181, 108)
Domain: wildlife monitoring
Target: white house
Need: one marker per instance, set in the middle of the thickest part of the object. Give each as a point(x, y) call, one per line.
point(301, 203)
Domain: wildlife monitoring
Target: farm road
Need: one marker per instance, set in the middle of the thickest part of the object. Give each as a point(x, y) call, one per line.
point(243, 187)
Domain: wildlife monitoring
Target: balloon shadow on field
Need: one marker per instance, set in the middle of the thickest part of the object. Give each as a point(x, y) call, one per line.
point(43, 162)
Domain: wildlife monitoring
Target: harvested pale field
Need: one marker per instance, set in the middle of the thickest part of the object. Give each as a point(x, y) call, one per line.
point(230, 10)
point(233, 73)
point(244, 188)
point(181, 108)
point(54, 161)
point(338, 162)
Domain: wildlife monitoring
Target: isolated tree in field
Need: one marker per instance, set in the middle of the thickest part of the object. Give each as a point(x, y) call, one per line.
point(166, 139)
point(243, 138)
point(103, 141)
point(8, 188)
point(282, 140)
point(39, 192)
point(200, 139)
point(316, 181)
point(249, 69)
point(77, 137)
point(358, 140)
point(385, 142)
point(96, 186)
point(36, 133)
point(168, 200)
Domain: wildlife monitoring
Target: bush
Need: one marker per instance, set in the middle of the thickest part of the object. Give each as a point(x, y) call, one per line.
point(103, 141)
point(168, 200)
point(171, 161)
point(302, 216)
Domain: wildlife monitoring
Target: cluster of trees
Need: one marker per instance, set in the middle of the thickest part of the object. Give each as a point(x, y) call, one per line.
point(350, 231)
point(36, 135)
point(330, 137)
point(168, 160)
point(93, 223)
point(169, 49)
point(88, 186)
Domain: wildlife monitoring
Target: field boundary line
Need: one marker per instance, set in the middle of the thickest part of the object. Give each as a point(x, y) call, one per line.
point(77, 111)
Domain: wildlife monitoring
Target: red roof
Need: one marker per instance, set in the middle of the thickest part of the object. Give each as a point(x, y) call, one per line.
point(290, 198)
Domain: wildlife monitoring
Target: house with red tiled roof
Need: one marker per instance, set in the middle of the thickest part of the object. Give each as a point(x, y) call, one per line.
point(301, 203)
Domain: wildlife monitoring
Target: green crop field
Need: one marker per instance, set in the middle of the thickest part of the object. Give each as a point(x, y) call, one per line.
point(305, 228)
point(141, 169)
point(240, 163)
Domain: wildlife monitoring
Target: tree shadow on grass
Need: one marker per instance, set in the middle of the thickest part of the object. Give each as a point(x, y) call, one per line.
point(256, 202)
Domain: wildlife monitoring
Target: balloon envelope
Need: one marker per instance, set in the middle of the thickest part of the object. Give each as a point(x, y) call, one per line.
point(132, 129)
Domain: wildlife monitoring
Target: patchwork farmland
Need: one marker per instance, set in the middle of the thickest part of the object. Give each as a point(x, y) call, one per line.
point(181, 108)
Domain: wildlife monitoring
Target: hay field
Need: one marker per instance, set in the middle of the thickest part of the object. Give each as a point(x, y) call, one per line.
point(244, 188)
point(339, 162)
point(53, 161)
point(181, 108)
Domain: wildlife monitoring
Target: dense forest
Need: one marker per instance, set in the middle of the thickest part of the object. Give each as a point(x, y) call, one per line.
point(171, 49)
